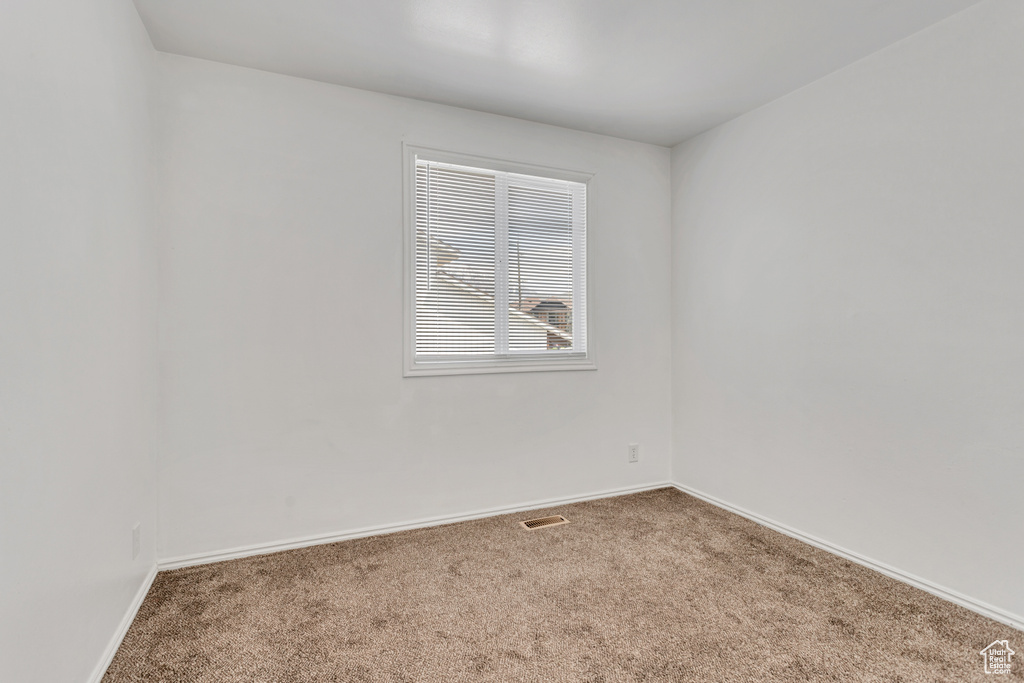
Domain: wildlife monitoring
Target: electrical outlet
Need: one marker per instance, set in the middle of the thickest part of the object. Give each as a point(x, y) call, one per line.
point(136, 540)
point(634, 452)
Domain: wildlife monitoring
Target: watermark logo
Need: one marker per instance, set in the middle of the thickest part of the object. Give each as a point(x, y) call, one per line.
point(997, 657)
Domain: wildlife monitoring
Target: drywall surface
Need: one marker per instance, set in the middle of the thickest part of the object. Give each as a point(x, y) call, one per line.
point(78, 331)
point(848, 307)
point(285, 410)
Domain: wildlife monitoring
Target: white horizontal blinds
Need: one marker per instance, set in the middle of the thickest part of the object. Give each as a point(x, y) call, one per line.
point(542, 264)
point(500, 264)
point(579, 266)
point(454, 261)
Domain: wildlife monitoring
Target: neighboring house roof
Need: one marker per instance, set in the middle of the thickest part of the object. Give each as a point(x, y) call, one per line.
point(474, 332)
point(473, 290)
point(530, 303)
point(548, 305)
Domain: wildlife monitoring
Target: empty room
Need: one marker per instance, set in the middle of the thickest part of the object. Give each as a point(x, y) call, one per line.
point(511, 340)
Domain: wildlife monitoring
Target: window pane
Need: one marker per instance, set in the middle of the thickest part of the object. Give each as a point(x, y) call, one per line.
point(540, 273)
point(454, 261)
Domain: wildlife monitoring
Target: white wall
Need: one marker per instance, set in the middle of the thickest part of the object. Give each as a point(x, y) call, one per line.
point(77, 331)
point(849, 307)
point(285, 410)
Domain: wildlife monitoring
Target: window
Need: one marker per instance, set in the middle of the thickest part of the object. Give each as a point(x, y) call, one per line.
point(496, 266)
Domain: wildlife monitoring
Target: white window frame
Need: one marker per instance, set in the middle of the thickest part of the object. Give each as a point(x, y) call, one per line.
point(532, 363)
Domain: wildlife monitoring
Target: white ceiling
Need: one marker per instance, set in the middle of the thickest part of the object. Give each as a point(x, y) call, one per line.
point(657, 71)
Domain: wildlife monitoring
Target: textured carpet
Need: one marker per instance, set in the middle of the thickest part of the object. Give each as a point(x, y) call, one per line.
point(656, 586)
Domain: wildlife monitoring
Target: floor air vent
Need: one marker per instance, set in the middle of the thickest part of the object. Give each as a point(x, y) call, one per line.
point(544, 521)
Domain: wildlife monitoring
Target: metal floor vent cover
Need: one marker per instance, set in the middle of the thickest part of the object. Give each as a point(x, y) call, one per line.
point(544, 521)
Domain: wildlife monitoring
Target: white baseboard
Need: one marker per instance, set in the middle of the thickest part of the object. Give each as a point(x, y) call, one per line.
point(122, 629)
point(277, 546)
point(982, 608)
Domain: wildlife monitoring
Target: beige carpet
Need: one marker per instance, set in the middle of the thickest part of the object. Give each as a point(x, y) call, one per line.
point(655, 586)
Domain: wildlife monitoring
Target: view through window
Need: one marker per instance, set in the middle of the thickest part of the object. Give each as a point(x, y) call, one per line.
point(500, 266)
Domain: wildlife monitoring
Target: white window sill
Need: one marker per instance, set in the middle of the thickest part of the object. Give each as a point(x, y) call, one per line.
point(487, 367)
